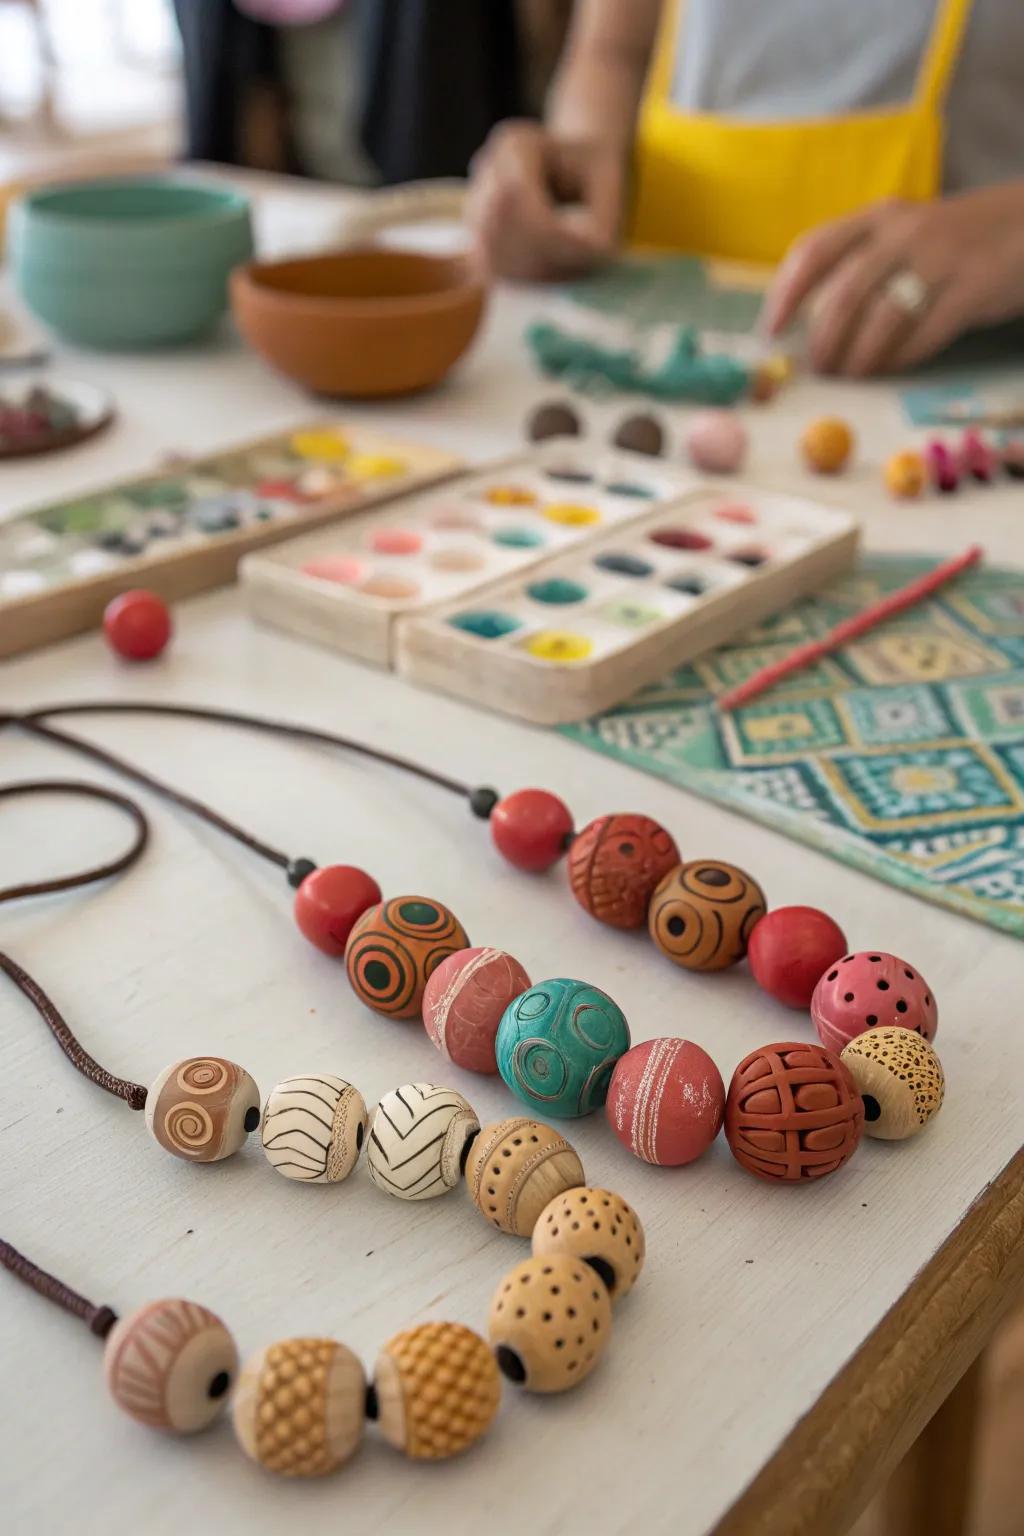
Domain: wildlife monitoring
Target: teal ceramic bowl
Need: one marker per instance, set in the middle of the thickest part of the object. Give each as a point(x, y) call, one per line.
point(128, 263)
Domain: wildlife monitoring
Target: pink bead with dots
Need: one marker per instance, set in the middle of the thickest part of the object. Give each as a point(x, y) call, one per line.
point(871, 990)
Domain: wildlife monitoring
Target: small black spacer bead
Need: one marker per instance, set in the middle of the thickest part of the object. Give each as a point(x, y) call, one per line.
point(602, 1268)
point(509, 1363)
point(102, 1320)
point(297, 871)
point(372, 1405)
point(467, 1147)
point(568, 840)
point(252, 1119)
point(482, 801)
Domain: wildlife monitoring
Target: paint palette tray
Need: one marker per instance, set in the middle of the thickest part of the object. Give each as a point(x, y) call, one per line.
point(355, 588)
point(186, 528)
point(589, 627)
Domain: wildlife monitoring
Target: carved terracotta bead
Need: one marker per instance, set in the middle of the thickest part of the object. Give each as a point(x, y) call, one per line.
point(549, 1323)
point(203, 1108)
point(515, 1168)
point(437, 1389)
point(314, 1128)
point(702, 914)
point(171, 1365)
point(299, 1407)
point(615, 863)
point(598, 1227)
point(793, 1113)
point(463, 1003)
point(418, 1137)
point(900, 1079)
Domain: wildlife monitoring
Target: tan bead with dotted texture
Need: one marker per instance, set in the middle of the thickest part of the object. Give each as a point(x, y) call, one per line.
point(598, 1227)
point(549, 1322)
point(515, 1168)
point(437, 1389)
point(900, 1079)
point(300, 1407)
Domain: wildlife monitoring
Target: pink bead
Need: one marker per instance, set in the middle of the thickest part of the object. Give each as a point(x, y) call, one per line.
point(871, 990)
point(976, 457)
point(790, 949)
point(666, 1101)
point(717, 442)
point(463, 1003)
point(941, 465)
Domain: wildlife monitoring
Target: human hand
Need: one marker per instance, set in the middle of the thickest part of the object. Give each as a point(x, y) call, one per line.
point(542, 206)
point(967, 250)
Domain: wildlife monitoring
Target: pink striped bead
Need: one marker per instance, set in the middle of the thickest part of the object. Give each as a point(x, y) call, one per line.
point(666, 1101)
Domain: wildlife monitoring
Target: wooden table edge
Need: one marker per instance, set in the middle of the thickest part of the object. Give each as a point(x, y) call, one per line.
point(839, 1455)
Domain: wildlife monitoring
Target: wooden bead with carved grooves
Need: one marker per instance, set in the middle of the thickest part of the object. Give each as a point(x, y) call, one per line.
point(437, 1388)
point(300, 1407)
point(549, 1322)
point(598, 1227)
point(418, 1140)
point(900, 1079)
point(203, 1108)
point(515, 1168)
point(171, 1365)
point(314, 1128)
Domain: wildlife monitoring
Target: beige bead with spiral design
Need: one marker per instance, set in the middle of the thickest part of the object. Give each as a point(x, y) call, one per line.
point(203, 1108)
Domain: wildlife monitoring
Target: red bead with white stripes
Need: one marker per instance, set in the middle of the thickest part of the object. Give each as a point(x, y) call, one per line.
point(666, 1101)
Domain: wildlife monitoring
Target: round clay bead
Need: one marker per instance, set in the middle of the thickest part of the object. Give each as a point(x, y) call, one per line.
point(531, 828)
point(702, 914)
point(558, 1044)
point(171, 1365)
point(666, 1101)
point(515, 1168)
point(300, 1407)
point(640, 434)
point(395, 947)
point(463, 1003)
point(716, 442)
point(330, 901)
point(552, 418)
point(203, 1108)
point(900, 1079)
point(314, 1128)
point(437, 1389)
point(871, 990)
point(615, 864)
point(549, 1323)
point(598, 1227)
point(419, 1136)
point(793, 1113)
point(827, 444)
point(977, 458)
point(905, 475)
point(789, 951)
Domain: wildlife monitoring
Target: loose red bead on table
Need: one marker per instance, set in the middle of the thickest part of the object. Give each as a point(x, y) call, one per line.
point(790, 950)
point(137, 624)
point(330, 901)
point(531, 828)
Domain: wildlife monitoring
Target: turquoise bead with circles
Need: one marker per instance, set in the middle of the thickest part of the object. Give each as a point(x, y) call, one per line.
point(557, 1046)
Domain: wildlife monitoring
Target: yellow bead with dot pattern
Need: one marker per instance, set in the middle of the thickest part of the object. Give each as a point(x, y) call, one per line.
point(549, 1323)
point(437, 1388)
point(598, 1227)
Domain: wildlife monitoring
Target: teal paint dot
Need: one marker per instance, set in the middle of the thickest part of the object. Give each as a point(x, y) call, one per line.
point(624, 565)
point(557, 1045)
point(630, 488)
point(485, 624)
point(421, 914)
point(557, 590)
point(519, 538)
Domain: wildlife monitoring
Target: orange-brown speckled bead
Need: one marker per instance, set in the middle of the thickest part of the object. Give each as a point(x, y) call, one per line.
point(598, 1227)
point(437, 1389)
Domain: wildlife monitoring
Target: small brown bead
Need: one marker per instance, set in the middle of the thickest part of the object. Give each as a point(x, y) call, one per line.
point(900, 1079)
point(640, 434)
point(598, 1227)
point(438, 1389)
point(702, 914)
point(515, 1168)
point(171, 1365)
point(549, 1322)
point(299, 1408)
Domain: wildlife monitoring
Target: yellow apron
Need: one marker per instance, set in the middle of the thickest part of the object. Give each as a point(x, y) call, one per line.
point(732, 188)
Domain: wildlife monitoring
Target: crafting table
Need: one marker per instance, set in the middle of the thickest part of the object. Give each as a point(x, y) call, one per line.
point(784, 1347)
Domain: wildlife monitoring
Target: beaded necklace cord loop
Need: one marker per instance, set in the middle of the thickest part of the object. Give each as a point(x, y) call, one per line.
point(97, 872)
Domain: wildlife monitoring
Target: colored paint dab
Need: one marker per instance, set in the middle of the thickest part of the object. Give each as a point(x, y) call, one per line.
point(631, 488)
point(510, 496)
point(374, 466)
point(751, 557)
point(680, 538)
point(395, 541)
point(340, 568)
point(389, 586)
point(557, 590)
point(327, 447)
point(630, 615)
point(488, 624)
point(519, 538)
point(691, 586)
point(571, 514)
point(279, 490)
point(559, 645)
point(736, 512)
point(623, 565)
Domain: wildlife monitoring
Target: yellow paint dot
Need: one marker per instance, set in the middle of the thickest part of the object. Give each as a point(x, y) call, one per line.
point(510, 496)
point(559, 645)
point(374, 466)
point(571, 514)
point(327, 447)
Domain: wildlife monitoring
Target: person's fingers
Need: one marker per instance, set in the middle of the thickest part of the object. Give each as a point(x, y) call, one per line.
point(882, 328)
point(844, 296)
point(951, 311)
point(807, 262)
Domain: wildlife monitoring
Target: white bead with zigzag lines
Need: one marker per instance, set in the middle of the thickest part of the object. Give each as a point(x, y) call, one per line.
point(417, 1138)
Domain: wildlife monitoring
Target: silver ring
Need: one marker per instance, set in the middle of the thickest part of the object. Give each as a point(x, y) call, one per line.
point(908, 290)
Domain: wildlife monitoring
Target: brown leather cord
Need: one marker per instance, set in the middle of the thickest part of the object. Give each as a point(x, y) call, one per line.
point(134, 1094)
point(99, 1320)
point(98, 871)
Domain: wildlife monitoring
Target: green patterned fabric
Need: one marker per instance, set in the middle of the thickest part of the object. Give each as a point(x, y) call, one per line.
point(902, 754)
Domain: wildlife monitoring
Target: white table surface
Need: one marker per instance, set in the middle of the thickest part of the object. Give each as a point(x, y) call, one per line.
point(752, 1298)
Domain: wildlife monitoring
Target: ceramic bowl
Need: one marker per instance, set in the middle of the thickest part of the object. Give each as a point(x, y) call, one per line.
point(363, 323)
point(128, 262)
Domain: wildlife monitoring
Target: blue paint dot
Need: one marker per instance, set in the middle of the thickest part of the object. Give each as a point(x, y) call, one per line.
point(557, 590)
point(519, 538)
point(624, 565)
point(486, 624)
point(630, 488)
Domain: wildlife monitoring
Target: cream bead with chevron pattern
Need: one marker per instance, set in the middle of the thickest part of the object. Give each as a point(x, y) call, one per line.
point(418, 1136)
point(314, 1128)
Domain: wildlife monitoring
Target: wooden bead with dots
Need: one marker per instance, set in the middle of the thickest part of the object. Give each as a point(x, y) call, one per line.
point(703, 912)
point(515, 1168)
point(299, 1407)
point(900, 1079)
point(203, 1108)
point(598, 1227)
point(549, 1323)
point(171, 1365)
point(436, 1389)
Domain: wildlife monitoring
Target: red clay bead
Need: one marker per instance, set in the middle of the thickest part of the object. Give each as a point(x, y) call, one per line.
point(137, 624)
point(665, 1101)
point(793, 1113)
point(463, 1003)
point(531, 828)
point(330, 901)
point(615, 864)
point(791, 949)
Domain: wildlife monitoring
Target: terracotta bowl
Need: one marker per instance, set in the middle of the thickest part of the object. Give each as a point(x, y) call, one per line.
point(361, 322)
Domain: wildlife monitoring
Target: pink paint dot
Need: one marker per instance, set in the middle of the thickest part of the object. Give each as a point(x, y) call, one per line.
point(396, 541)
point(736, 512)
point(340, 568)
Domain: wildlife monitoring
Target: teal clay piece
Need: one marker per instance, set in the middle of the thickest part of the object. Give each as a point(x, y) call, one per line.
point(519, 538)
point(486, 624)
point(557, 589)
point(557, 1045)
point(688, 373)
